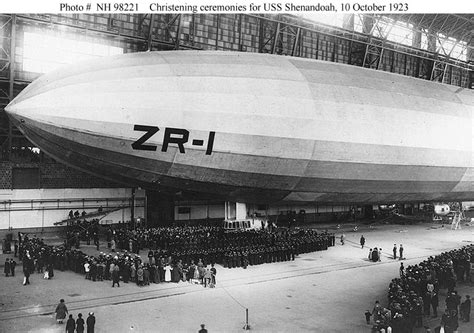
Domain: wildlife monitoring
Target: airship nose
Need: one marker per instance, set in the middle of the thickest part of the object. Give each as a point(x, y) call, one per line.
point(22, 103)
point(9, 109)
point(12, 111)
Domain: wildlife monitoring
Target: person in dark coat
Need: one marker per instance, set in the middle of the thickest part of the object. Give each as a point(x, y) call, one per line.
point(26, 271)
point(80, 324)
point(12, 266)
point(213, 274)
point(90, 322)
point(452, 301)
point(466, 309)
point(448, 322)
point(96, 240)
point(146, 275)
point(116, 276)
point(362, 241)
point(434, 303)
point(61, 311)
point(126, 272)
point(7, 267)
point(70, 325)
point(50, 271)
point(426, 303)
point(375, 255)
point(176, 274)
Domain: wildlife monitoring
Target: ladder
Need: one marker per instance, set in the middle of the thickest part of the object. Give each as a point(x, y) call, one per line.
point(456, 224)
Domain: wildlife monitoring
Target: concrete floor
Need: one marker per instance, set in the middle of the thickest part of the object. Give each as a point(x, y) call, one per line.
point(326, 291)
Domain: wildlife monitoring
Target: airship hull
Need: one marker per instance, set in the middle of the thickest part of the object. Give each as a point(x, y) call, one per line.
point(255, 128)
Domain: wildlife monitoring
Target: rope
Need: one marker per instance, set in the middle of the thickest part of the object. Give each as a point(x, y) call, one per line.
point(233, 297)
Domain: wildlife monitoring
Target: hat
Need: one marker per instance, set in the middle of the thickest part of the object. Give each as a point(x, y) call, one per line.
point(91, 313)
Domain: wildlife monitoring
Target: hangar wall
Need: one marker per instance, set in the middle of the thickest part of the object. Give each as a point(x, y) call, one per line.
point(199, 212)
point(46, 174)
point(34, 208)
point(195, 212)
point(203, 212)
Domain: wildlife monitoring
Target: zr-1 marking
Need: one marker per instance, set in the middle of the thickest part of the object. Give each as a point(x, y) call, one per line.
point(178, 136)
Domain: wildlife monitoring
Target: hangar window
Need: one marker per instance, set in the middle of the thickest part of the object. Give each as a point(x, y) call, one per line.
point(444, 45)
point(184, 210)
point(43, 53)
point(25, 178)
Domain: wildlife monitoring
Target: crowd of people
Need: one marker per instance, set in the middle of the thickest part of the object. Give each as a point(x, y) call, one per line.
point(187, 253)
point(190, 253)
point(415, 293)
point(82, 230)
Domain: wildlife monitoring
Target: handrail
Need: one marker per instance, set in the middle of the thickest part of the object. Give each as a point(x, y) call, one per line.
point(67, 204)
point(69, 200)
point(59, 208)
point(91, 215)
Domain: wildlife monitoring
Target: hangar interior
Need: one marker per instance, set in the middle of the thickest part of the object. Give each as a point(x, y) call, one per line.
point(36, 191)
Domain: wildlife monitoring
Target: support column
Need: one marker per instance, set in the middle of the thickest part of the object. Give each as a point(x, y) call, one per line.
point(11, 81)
point(425, 67)
point(132, 208)
point(240, 32)
point(235, 210)
point(439, 68)
point(373, 56)
point(356, 49)
point(159, 210)
point(470, 59)
point(431, 43)
point(178, 33)
point(416, 41)
point(229, 210)
point(367, 24)
point(150, 32)
point(240, 211)
point(348, 22)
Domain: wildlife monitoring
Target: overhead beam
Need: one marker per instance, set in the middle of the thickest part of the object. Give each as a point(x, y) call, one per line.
point(150, 32)
point(11, 79)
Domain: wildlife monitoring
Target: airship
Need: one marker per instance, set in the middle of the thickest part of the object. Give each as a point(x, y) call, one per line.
point(257, 128)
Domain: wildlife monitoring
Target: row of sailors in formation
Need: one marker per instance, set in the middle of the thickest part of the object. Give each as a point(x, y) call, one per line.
point(242, 257)
point(300, 241)
point(257, 256)
point(182, 238)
